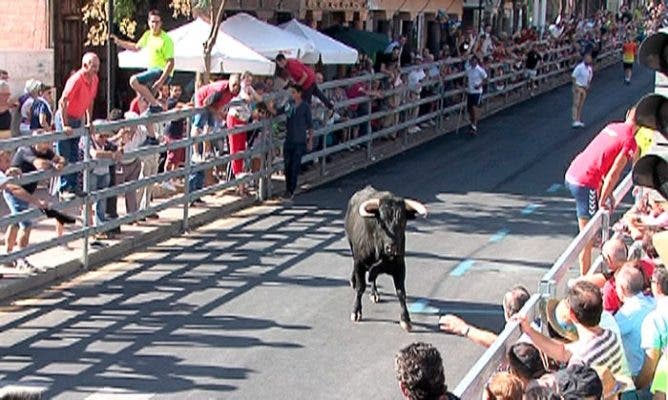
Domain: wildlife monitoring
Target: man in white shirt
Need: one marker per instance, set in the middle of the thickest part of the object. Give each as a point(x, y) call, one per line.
point(476, 77)
point(582, 76)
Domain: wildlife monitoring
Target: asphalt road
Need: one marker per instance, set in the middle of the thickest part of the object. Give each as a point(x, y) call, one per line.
point(257, 306)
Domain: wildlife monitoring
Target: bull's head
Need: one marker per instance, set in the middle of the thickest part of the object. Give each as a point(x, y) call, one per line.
point(391, 213)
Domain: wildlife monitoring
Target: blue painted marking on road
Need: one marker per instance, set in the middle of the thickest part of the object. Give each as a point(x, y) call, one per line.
point(499, 235)
point(462, 267)
point(554, 188)
point(422, 307)
point(530, 209)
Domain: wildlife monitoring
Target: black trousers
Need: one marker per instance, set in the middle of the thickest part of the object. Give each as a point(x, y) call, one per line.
point(112, 211)
point(292, 158)
point(314, 90)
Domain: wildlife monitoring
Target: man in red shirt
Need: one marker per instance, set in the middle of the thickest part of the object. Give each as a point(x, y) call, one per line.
point(303, 76)
point(594, 173)
point(74, 108)
point(215, 97)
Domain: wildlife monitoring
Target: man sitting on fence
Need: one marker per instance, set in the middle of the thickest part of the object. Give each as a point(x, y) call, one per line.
point(38, 157)
point(303, 76)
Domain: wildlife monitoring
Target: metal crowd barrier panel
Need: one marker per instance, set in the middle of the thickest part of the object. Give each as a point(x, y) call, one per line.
point(446, 99)
point(552, 284)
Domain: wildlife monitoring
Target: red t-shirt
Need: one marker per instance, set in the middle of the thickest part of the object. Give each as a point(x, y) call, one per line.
point(134, 105)
point(356, 90)
point(296, 70)
point(80, 93)
point(611, 302)
point(590, 167)
point(207, 90)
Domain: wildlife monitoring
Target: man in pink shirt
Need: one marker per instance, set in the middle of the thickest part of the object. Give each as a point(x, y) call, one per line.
point(303, 76)
point(74, 108)
point(594, 173)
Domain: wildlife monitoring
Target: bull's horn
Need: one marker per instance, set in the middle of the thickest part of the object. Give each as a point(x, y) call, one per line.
point(368, 206)
point(416, 206)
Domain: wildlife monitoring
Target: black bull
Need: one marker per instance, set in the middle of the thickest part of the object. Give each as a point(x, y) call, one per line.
point(376, 228)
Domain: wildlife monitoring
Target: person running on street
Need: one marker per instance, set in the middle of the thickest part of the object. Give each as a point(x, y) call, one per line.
point(594, 173)
point(476, 78)
point(629, 52)
point(582, 76)
point(160, 48)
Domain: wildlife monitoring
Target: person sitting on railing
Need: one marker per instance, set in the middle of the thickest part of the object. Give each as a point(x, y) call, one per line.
point(18, 192)
point(419, 370)
point(38, 157)
point(513, 301)
point(595, 346)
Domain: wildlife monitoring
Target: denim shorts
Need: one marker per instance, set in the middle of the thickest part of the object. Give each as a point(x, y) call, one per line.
point(17, 206)
point(203, 119)
point(586, 199)
point(150, 76)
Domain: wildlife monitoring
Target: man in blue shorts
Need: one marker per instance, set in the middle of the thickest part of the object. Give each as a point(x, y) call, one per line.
point(160, 49)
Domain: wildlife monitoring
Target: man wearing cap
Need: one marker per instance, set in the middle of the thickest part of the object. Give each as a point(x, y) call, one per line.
point(160, 49)
point(304, 77)
point(595, 346)
point(74, 109)
point(594, 173)
point(654, 331)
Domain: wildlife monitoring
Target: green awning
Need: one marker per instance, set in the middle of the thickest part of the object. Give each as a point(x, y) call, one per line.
point(365, 42)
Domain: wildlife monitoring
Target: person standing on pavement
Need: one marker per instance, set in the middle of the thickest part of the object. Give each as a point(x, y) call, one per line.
point(75, 106)
point(476, 78)
point(629, 52)
point(298, 139)
point(304, 77)
point(582, 76)
point(594, 173)
point(160, 49)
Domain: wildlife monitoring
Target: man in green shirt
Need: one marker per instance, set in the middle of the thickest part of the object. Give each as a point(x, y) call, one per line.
point(160, 48)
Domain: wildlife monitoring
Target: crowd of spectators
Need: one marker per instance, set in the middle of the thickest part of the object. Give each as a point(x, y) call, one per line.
point(508, 59)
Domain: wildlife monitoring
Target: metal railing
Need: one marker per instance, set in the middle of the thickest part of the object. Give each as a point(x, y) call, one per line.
point(552, 285)
point(447, 100)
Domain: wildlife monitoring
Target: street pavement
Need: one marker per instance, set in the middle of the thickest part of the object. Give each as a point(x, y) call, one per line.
point(257, 305)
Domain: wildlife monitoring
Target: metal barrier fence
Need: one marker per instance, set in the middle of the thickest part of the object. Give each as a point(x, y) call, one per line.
point(446, 100)
point(552, 285)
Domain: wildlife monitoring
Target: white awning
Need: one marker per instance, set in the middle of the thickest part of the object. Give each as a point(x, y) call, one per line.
point(268, 40)
point(329, 50)
point(228, 55)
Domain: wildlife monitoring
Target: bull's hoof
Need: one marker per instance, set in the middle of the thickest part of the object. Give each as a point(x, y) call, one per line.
point(406, 326)
point(375, 297)
point(356, 316)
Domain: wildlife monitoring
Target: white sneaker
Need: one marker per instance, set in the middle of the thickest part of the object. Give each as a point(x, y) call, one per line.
point(580, 124)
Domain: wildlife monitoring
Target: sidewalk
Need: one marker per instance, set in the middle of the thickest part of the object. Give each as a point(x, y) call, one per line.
point(62, 262)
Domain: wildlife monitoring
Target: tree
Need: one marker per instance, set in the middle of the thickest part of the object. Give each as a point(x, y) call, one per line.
point(95, 17)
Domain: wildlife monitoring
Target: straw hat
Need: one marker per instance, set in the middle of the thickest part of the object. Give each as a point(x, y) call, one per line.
point(557, 314)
